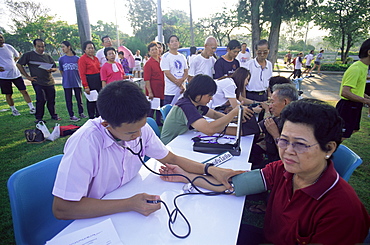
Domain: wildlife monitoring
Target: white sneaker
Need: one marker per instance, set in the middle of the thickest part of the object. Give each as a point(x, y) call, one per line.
point(32, 111)
point(16, 113)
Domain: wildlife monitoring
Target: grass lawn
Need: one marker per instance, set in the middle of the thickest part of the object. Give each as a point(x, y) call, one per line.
point(16, 153)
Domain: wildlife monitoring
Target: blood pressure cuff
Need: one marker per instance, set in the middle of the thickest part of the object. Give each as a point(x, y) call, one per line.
point(248, 183)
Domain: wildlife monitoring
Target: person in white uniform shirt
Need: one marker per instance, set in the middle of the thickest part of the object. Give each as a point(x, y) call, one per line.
point(261, 72)
point(204, 62)
point(244, 55)
point(175, 69)
point(9, 74)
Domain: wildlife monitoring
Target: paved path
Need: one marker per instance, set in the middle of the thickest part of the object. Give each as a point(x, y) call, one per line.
point(324, 87)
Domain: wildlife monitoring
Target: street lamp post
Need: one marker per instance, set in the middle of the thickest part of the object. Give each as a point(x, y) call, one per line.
point(191, 25)
point(159, 21)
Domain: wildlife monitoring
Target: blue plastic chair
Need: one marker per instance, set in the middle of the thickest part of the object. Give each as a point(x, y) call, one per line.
point(31, 202)
point(152, 123)
point(345, 161)
point(165, 110)
point(156, 130)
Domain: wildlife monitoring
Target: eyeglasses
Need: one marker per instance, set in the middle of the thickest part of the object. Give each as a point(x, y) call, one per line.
point(297, 146)
point(262, 52)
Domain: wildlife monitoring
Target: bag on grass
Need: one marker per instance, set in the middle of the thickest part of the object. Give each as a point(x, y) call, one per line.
point(68, 130)
point(34, 136)
point(41, 125)
point(55, 134)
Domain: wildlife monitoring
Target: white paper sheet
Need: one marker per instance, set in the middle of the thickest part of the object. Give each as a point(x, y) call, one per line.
point(155, 103)
point(102, 233)
point(46, 66)
point(93, 96)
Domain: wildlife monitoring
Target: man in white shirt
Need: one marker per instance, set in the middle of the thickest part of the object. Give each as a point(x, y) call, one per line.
point(309, 59)
point(138, 60)
point(175, 69)
point(9, 74)
point(204, 62)
point(261, 72)
point(244, 55)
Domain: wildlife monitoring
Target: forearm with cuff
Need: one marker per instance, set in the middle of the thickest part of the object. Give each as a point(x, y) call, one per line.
point(248, 183)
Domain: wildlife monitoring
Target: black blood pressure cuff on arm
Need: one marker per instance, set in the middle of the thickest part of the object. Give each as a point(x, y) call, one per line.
point(248, 183)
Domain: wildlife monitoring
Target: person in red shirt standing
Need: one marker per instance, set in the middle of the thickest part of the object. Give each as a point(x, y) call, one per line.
point(154, 79)
point(89, 69)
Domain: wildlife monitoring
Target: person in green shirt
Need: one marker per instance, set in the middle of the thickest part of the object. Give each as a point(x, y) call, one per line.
point(352, 92)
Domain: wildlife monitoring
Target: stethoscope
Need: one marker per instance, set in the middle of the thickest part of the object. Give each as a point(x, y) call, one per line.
point(189, 188)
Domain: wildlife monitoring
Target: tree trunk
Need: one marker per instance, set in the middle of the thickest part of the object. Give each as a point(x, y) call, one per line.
point(349, 45)
point(274, 39)
point(83, 21)
point(256, 29)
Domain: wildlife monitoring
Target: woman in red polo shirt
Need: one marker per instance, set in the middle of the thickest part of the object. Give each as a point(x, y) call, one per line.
point(89, 69)
point(154, 79)
point(309, 203)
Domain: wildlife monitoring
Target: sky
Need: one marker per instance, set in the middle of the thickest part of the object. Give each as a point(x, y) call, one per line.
point(105, 10)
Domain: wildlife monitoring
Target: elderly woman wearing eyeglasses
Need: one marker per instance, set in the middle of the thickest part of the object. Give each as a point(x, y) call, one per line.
point(309, 202)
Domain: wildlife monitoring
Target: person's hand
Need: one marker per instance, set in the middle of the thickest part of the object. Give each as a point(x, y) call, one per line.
point(139, 203)
point(87, 90)
point(172, 169)
point(151, 96)
point(32, 79)
point(271, 127)
point(2, 69)
point(247, 113)
point(52, 70)
point(182, 89)
point(223, 175)
point(257, 109)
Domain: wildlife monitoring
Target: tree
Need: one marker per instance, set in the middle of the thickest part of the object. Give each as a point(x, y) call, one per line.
point(347, 20)
point(274, 12)
point(221, 24)
point(83, 21)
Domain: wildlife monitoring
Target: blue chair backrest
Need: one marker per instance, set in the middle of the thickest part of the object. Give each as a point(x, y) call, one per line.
point(154, 126)
point(31, 200)
point(345, 161)
point(165, 110)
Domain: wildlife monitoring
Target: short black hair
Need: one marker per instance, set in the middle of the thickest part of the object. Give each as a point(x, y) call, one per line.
point(277, 80)
point(193, 50)
point(239, 77)
point(102, 39)
point(322, 117)
point(84, 45)
point(122, 102)
point(37, 40)
point(262, 42)
point(233, 44)
point(365, 47)
point(152, 44)
point(169, 39)
point(107, 49)
point(200, 85)
point(121, 53)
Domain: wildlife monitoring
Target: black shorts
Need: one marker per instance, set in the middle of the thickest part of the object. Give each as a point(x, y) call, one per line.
point(367, 89)
point(317, 63)
point(6, 85)
point(308, 67)
point(350, 111)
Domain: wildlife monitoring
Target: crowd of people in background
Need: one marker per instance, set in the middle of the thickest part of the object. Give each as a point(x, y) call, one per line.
point(203, 85)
